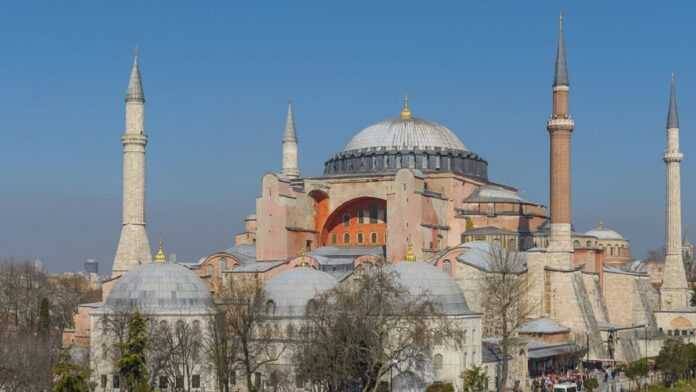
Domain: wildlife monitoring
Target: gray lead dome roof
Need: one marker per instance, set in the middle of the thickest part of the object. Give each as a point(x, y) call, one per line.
point(412, 133)
point(421, 278)
point(160, 288)
point(291, 290)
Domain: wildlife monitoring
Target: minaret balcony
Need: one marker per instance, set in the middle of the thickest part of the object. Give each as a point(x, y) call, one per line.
point(558, 124)
point(673, 157)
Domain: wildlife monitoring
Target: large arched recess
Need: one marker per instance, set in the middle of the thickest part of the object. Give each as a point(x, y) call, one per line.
point(358, 222)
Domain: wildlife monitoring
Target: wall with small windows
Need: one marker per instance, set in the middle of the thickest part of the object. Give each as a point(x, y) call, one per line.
point(359, 222)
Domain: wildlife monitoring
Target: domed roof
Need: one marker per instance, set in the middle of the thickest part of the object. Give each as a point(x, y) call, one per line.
point(160, 288)
point(604, 233)
point(421, 278)
point(291, 290)
point(411, 133)
point(406, 132)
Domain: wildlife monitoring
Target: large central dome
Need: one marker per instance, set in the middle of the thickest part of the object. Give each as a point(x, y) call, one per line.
point(405, 133)
point(405, 142)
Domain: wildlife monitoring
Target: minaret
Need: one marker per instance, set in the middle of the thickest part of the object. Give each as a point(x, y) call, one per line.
point(290, 166)
point(134, 246)
point(674, 291)
point(560, 127)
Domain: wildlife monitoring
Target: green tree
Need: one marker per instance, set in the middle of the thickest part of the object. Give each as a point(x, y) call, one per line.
point(591, 384)
point(475, 380)
point(132, 365)
point(440, 387)
point(44, 317)
point(637, 370)
point(70, 377)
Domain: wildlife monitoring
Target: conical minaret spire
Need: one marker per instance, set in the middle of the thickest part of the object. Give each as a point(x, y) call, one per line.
point(674, 293)
point(560, 127)
point(134, 245)
point(290, 166)
point(560, 76)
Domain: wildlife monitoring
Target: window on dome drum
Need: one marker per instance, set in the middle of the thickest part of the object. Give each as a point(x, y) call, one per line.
point(346, 238)
point(437, 362)
point(196, 381)
point(346, 219)
point(360, 238)
point(373, 238)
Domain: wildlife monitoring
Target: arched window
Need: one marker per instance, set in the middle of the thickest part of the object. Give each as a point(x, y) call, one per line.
point(447, 266)
point(180, 325)
point(270, 307)
point(346, 219)
point(346, 238)
point(211, 270)
point(589, 244)
point(360, 238)
point(373, 238)
point(576, 244)
point(105, 351)
point(464, 337)
point(361, 216)
point(223, 264)
point(437, 362)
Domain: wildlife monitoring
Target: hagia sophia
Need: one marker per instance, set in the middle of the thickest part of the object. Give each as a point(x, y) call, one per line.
point(407, 192)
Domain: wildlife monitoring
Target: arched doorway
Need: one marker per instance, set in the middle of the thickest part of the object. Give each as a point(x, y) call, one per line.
point(358, 222)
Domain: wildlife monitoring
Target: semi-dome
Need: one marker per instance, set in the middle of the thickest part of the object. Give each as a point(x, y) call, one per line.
point(604, 233)
point(162, 288)
point(290, 291)
point(406, 142)
point(409, 134)
point(421, 278)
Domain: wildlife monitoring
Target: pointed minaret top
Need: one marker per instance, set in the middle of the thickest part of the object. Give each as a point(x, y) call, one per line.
point(290, 135)
point(135, 84)
point(560, 77)
point(673, 114)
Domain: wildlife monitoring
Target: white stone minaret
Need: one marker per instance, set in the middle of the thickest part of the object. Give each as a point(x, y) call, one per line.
point(674, 291)
point(290, 167)
point(134, 246)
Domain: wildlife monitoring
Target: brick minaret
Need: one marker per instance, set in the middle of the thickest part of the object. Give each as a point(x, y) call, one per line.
point(134, 246)
point(290, 166)
point(674, 292)
point(560, 127)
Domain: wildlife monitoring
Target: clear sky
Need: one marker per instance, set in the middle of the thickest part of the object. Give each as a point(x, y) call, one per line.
point(217, 76)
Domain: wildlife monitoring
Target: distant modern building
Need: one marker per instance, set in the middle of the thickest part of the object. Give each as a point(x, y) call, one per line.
point(92, 266)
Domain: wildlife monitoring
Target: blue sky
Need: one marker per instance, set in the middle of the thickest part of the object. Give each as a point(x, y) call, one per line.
point(217, 76)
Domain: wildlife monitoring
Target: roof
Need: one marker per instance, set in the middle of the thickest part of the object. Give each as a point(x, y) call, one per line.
point(537, 350)
point(135, 83)
point(673, 114)
point(411, 133)
point(492, 193)
point(257, 266)
point(478, 254)
point(421, 278)
point(244, 253)
point(291, 290)
point(604, 233)
point(160, 288)
point(560, 76)
point(543, 325)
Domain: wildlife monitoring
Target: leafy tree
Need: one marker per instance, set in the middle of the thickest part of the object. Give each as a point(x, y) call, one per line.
point(132, 364)
point(591, 384)
point(637, 370)
point(475, 380)
point(440, 387)
point(70, 376)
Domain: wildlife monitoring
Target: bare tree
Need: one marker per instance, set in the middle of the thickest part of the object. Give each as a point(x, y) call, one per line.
point(242, 306)
point(362, 330)
point(221, 349)
point(179, 351)
point(506, 304)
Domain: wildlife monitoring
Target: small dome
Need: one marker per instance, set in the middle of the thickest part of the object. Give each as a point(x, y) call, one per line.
point(604, 233)
point(422, 278)
point(291, 290)
point(411, 133)
point(160, 288)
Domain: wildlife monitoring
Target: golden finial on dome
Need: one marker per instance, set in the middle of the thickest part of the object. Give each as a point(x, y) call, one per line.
point(410, 256)
point(160, 257)
point(405, 110)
